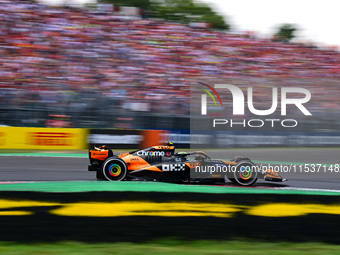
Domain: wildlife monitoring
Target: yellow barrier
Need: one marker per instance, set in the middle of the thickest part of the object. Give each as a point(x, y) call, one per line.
point(43, 138)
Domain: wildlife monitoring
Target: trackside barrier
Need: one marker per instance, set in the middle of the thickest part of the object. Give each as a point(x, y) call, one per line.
point(125, 138)
point(43, 138)
point(77, 139)
point(244, 139)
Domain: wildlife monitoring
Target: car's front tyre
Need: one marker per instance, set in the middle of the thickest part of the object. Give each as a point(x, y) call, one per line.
point(245, 173)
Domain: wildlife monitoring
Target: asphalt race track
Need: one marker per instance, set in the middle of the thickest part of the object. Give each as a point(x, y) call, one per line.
point(304, 168)
point(93, 211)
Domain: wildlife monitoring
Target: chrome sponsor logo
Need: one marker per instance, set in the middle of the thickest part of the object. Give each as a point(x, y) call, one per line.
point(150, 153)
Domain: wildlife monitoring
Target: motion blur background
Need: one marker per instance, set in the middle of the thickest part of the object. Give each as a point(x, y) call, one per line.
point(110, 66)
point(121, 73)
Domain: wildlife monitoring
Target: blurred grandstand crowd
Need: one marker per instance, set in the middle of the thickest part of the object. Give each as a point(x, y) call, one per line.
point(67, 60)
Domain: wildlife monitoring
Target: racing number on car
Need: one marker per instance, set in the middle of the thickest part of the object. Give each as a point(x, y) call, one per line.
point(173, 167)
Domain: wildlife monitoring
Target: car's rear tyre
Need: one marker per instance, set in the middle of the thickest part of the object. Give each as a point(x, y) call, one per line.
point(114, 169)
point(245, 173)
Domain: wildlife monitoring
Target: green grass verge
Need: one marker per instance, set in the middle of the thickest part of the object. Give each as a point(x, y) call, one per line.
point(138, 186)
point(172, 247)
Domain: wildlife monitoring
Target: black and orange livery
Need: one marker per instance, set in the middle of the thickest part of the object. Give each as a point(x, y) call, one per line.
point(161, 163)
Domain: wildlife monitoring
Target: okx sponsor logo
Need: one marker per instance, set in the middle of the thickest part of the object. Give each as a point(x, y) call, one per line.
point(292, 98)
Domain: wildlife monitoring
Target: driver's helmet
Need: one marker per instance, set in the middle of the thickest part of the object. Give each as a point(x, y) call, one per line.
point(199, 157)
point(170, 144)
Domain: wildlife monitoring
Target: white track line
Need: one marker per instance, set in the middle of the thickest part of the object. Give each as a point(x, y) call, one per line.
point(306, 189)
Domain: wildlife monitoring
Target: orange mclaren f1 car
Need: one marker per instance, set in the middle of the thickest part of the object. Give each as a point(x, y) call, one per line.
point(161, 163)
